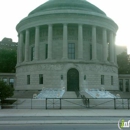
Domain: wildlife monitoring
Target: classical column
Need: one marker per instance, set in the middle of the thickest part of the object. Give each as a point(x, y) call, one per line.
point(115, 51)
point(104, 36)
point(36, 43)
point(80, 41)
point(18, 49)
point(21, 47)
point(27, 46)
point(65, 41)
point(94, 48)
point(111, 42)
point(49, 42)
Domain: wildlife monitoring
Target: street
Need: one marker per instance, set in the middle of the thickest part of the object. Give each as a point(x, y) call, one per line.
point(60, 127)
point(47, 118)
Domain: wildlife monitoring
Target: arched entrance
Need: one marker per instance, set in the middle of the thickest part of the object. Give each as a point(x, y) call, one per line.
point(72, 80)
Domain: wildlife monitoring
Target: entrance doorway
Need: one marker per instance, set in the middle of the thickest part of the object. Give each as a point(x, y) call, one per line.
point(73, 80)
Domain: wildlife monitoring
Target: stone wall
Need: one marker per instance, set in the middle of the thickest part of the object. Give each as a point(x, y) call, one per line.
point(52, 75)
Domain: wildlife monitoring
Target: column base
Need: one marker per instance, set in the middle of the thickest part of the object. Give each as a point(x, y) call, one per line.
point(64, 58)
point(35, 60)
point(80, 59)
point(49, 59)
point(107, 62)
point(95, 60)
point(112, 63)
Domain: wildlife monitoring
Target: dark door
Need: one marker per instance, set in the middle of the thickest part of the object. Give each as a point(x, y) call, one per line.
point(72, 80)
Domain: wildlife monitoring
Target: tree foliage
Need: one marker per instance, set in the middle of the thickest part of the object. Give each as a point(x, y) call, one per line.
point(7, 61)
point(123, 63)
point(6, 91)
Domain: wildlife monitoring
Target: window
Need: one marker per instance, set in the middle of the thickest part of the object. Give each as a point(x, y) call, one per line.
point(71, 51)
point(90, 51)
point(111, 80)
point(28, 79)
point(61, 77)
point(102, 79)
point(40, 78)
point(32, 53)
point(5, 80)
point(46, 51)
point(127, 85)
point(84, 77)
point(121, 84)
point(11, 82)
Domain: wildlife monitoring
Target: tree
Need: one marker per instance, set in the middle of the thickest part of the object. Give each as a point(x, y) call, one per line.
point(123, 63)
point(6, 91)
point(7, 61)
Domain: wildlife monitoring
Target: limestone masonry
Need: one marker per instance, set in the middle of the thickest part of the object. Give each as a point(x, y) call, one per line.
point(72, 42)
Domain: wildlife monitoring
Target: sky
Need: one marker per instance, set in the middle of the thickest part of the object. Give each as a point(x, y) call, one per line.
point(12, 11)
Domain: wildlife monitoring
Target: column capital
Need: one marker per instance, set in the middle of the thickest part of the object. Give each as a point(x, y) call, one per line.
point(65, 24)
point(50, 25)
point(27, 31)
point(94, 26)
point(80, 24)
point(37, 26)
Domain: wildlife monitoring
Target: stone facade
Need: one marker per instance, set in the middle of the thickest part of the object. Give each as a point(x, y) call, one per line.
point(51, 42)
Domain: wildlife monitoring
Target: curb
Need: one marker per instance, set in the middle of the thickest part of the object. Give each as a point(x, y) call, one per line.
point(57, 122)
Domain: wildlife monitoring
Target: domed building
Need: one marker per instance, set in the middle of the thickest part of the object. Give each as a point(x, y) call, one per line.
point(66, 41)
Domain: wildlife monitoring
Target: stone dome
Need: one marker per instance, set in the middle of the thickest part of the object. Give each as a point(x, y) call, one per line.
point(67, 4)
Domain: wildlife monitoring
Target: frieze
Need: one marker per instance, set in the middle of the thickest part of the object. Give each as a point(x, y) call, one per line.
point(39, 68)
point(101, 68)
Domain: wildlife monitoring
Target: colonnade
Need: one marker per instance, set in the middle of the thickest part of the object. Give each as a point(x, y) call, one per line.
point(112, 50)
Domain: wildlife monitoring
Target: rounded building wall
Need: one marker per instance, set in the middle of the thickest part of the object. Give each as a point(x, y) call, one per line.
point(53, 41)
point(52, 76)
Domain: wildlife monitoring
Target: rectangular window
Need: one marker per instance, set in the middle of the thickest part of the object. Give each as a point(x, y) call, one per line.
point(127, 85)
point(5, 80)
point(40, 78)
point(32, 53)
point(111, 80)
point(121, 84)
point(46, 51)
point(90, 52)
point(71, 50)
point(28, 79)
point(11, 82)
point(102, 79)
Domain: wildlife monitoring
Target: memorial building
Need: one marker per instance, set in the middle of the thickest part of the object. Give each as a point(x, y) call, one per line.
point(66, 41)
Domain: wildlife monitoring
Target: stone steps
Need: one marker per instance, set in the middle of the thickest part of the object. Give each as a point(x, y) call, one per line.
point(69, 95)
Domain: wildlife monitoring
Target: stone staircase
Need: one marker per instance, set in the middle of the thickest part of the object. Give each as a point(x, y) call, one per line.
point(69, 95)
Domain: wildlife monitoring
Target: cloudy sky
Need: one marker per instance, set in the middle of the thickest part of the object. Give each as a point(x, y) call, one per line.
point(12, 11)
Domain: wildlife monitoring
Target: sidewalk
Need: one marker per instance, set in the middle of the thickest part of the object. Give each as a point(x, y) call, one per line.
point(64, 112)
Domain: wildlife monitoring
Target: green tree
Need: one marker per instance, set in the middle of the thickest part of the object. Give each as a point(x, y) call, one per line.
point(8, 60)
point(123, 63)
point(6, 91)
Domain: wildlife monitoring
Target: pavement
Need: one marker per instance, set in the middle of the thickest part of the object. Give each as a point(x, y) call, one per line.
point(10, 113)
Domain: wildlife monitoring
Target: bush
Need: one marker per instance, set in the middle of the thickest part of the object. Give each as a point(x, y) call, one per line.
point(6, 91)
